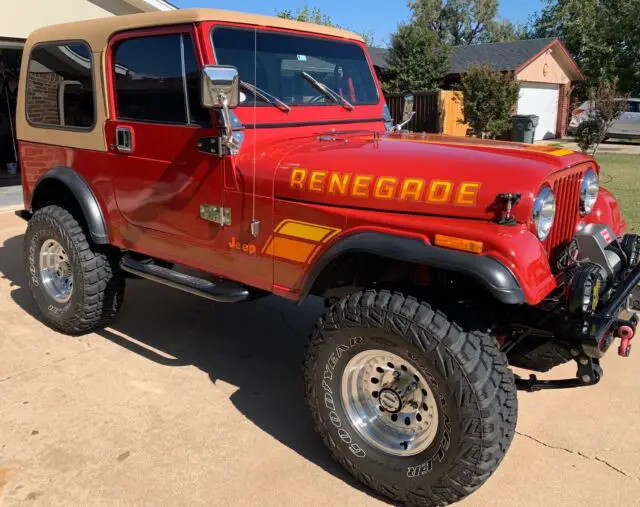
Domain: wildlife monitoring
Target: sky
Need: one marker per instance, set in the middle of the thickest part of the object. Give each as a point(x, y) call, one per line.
point(360, 15)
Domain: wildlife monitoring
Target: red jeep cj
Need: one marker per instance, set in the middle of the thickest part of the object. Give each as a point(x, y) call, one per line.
point(256, 152)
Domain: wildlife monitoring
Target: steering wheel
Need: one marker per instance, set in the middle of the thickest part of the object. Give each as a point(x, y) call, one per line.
point(317, 99)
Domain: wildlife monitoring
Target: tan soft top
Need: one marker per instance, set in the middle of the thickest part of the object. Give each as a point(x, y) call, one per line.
point(98, 31)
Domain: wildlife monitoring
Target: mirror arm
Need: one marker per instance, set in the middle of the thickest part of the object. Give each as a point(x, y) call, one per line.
point(228, 140)
point(400, 126)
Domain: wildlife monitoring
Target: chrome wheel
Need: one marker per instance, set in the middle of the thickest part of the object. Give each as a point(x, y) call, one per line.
point(55, 271)
point(389, 403)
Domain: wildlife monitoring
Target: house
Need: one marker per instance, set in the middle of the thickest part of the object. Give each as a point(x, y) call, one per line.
point(544, 68)
point(17, 20)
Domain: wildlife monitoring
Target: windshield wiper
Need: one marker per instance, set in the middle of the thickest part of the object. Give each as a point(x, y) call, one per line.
point(336, 97)
point(267, 97)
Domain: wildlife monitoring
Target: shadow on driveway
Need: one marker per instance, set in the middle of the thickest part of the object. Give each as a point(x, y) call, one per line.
point(256, 346)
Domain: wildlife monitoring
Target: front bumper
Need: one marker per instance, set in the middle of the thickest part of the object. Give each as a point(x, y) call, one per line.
point(596, 334)
point(600, 329)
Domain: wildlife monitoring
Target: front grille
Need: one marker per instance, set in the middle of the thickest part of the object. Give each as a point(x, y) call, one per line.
point(566, 188)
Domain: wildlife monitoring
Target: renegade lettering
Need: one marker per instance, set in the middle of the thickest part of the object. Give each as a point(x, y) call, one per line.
point(464, 193)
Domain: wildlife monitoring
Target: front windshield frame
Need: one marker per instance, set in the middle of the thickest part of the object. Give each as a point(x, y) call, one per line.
point(258, 103)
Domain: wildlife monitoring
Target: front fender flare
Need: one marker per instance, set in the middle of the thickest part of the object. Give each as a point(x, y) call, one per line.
point(489, 272)
point(86, 199)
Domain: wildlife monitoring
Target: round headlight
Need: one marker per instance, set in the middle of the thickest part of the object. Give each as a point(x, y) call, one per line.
point(544, 213)
point(589, 189)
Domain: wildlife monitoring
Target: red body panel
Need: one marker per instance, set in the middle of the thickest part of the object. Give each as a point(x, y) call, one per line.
point(151, 197)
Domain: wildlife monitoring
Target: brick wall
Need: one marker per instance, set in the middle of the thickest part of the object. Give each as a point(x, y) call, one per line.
point(42, 103)
point(563, 110)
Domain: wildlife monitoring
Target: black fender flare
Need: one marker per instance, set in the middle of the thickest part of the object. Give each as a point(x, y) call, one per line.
point(489, 272)
point(86, 199)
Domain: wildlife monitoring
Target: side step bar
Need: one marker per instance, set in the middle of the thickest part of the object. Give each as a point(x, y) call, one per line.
point(222, 292)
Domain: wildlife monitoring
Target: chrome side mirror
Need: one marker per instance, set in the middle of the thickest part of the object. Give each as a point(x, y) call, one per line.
point(220, 87)
point(407, 112)
point(220, 90)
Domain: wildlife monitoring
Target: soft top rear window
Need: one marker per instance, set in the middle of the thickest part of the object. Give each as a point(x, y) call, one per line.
point(60, 86)
point(281, 58)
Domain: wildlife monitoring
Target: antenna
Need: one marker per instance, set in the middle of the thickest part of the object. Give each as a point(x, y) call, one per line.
point(255, 223)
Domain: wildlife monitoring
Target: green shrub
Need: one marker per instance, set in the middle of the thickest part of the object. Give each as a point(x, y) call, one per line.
point(489, 100)
point(589, 133)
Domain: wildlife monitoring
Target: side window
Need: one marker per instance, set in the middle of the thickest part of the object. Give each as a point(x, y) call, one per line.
point(60, 86)
point(150, 83)
point(634, 106)
point(198, 113)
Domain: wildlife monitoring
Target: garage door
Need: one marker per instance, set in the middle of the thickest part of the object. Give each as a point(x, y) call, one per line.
point(542, 100)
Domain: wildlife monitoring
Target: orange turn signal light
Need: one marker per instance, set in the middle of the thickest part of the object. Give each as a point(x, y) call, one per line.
point(466, 245)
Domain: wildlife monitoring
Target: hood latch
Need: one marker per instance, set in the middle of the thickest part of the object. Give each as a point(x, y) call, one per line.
point(509, 201)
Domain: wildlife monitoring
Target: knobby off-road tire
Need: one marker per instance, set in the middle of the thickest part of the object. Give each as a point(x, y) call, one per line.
point(472, 389)
point(98, 283)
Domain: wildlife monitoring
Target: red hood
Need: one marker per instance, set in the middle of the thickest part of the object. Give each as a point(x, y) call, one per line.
point(468, 173)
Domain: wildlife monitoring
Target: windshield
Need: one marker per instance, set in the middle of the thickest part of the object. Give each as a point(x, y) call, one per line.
point(282, 59)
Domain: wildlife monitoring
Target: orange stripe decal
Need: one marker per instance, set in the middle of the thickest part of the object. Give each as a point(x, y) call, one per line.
point(290, 249)
point(298, 241)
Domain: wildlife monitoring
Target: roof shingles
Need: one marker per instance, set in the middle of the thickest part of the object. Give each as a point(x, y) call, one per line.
point(499, 55)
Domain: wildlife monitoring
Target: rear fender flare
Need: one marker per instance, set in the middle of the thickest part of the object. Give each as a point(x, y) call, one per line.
point(489, 272)
point(87, 200)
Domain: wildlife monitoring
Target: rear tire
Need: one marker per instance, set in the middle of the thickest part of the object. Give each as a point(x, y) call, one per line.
point(468, 383)
point(85, 287)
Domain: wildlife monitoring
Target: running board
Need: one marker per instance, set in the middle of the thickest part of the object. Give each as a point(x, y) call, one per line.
point(222, 292)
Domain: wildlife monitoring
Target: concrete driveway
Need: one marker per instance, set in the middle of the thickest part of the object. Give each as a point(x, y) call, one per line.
point(10, 196)
point(185, 402)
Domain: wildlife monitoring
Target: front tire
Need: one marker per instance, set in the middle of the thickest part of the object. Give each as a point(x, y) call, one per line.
point(372, 342)
point(77, 286)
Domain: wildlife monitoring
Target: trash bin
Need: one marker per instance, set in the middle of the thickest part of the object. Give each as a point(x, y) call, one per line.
point(524, 128)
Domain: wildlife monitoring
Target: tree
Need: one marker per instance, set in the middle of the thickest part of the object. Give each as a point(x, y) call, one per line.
point(602, 35)
point(605, 107)
point(503, 30)
point(417, 60)
point(489, 97)
point(464, 22)
point(308, 15)
point(315, 15)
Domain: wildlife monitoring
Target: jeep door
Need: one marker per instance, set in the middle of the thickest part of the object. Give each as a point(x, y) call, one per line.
point(160, 177)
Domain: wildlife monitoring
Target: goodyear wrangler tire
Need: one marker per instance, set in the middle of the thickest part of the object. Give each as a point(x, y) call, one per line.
point(76, 285)
point(409, 403)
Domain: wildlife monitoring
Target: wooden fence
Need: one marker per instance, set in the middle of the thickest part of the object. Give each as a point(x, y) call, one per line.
point(427, 117)
point(436, 112)
point(452, 123)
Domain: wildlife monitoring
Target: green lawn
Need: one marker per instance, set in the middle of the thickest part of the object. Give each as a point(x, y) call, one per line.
point(621, 176)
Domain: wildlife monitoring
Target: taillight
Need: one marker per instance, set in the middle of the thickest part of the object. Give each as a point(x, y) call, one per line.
point(577, 112)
